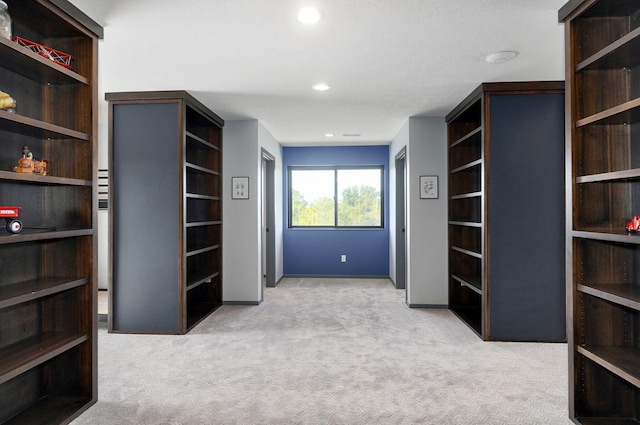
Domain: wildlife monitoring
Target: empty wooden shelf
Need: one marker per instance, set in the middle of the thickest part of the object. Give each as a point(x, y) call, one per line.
point(506, 211)
point(166, 211)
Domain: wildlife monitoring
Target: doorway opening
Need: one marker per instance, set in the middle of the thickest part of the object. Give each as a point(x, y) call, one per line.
point(401, 221)
point(268, 221)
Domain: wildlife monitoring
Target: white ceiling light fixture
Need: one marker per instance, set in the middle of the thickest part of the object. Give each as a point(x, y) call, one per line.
point(328, 135)
point(499, 58)
point(321, 86)
point(310, 15)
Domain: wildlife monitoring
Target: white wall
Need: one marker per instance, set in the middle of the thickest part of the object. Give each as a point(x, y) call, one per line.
point(426, 154)
point(428, 239)
point(270, 144)
point(397, 144)
point(242, 237)
point(241, 251)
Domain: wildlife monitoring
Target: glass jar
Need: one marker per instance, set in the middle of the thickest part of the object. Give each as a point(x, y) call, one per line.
point(5, 21)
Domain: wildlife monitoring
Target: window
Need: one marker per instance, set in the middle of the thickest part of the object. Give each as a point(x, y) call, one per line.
point(336, 196)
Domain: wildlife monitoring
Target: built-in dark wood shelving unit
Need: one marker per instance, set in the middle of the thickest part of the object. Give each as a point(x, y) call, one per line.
point(164, 281)
point(48, 289)
point(506, 217)
point(603, 181)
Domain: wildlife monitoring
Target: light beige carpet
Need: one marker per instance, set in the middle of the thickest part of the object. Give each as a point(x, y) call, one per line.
point(328, 351)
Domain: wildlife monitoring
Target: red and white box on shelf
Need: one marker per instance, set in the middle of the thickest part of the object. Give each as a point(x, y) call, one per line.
point(54, 55)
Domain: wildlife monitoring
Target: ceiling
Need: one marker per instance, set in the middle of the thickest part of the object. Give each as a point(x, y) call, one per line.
point(386, 60)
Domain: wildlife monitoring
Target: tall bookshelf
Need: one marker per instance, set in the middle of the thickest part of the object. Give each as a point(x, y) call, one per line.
point(48, 292)
point(506, 201)
point(603, 194)
point(166, 211)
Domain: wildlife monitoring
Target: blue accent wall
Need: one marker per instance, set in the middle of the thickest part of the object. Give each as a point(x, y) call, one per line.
point(318, 251)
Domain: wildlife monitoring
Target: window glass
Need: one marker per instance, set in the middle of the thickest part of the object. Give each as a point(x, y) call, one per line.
point(335, 197)
point(359, 197)
point(312, 197)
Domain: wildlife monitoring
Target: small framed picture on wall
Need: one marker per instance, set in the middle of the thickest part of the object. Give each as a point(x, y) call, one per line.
point(240, 187)
point(428, 187)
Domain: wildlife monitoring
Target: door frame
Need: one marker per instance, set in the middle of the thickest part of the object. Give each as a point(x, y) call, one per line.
point(268, 206)
point(401, 220)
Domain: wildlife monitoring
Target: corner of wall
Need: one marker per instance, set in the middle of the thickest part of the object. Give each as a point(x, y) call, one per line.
point(241, 218)
point(427, 218)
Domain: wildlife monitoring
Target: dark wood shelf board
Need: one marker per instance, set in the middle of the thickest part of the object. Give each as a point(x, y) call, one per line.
point(200, 140)
point(29, 64)
point(39, 235)
point(467, 196)
point(468, 249)
point(471, 282)
point(22, 356)
point(633, 174)
point(624, 294)
point(51, 410)
point(621, 361)
point(43, 180)
point(20, 292)
point(625, 113)
point(200, 249)
point(466, 137)
point(604, 234)
point(620, 54)
point(476, 163)
point(197, 279)
point(15, 123)
point(194, 167)
point(205, 197)
point(466, 224)
point(467, 252)
point(203, 223)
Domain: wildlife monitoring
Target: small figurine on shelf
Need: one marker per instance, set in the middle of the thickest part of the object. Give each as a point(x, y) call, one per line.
point(29, 165)
point(634, 224)
point(7, 102)
point(10, 215)
point(26, 152)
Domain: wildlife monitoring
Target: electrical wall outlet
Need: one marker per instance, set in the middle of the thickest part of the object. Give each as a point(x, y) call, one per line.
point(343, 258)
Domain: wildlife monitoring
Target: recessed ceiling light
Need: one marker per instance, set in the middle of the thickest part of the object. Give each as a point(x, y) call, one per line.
point(329, 135)
point(309, 15)
point(321, 86)
point(499, 58)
